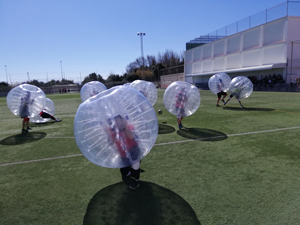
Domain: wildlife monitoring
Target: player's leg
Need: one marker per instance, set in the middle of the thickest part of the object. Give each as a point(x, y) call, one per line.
point(224, 96)
point(178, 115)
point(228, 99)
point(240, 103)
point(27, 123)
point(218, 102)
point(125, 171)
point(219, 98)
point(46, 115)
point(180, 124)
point(23, 126)
point(135, 171)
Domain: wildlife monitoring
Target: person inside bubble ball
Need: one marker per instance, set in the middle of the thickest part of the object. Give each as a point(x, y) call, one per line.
point(94, 92)
point(43, 114)
point(220, 93)
point(237, 94)
point(122, 135)
point(24, 111)
point(181, 99)
point(144, 93)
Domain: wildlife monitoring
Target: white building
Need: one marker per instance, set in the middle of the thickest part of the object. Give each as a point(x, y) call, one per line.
point(267, 48)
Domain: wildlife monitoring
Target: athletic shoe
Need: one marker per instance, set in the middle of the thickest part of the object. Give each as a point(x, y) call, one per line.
point(217, 105)
point(134, 184)
point(180, 126)
point(242, 106)
point(28, 128)
point(57, 120)
point(225, 103)
point(222, 100)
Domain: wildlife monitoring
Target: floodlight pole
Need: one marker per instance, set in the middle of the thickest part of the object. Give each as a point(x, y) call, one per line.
point(61, 70)
point(80, 76)
point(6, 74)
point(10, 79)
point(141, 34)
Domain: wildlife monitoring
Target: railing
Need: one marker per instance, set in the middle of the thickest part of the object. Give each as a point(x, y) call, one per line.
point(172, 70)
point(290, 8)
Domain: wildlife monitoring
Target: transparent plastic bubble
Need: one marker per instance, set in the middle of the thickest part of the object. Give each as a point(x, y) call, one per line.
point(116, 128)
point(91, 89)
point(148, 89)
point(49, 108)
point(26, 100)
point(241, 87)
point(181, 98)
point(219, 82)
point(127, 84)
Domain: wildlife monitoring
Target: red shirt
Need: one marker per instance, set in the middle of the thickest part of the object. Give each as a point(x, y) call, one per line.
point(181, 98)
point(123, 142)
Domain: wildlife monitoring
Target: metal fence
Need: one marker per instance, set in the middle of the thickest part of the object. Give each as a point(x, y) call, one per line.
point(288, 8)
point(294, 61)
point(172, 70)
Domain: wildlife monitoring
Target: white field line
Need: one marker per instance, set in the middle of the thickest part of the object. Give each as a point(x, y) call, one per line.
point(166, 143)
point(229, 135)
point(38, 160)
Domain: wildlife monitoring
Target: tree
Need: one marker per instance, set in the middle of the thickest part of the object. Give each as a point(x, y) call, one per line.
point(65, 81)
point(153, 64)
point(114, 77)
point(155, 69)
point(3, 84)
point(93, 77)
point(36, 83)
point(151, 61)
point(132, 77)
point(52, 82)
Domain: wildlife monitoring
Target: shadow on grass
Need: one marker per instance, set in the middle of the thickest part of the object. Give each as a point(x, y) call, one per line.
point(247, 109)
point(20, 139)
point(42, 124)
point(165, 129)
point(202, 134)
point(149, 204)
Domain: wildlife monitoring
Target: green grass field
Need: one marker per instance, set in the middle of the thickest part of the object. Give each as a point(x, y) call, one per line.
point(228, 166)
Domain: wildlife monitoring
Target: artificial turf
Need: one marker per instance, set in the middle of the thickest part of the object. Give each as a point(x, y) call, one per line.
point(227, 166)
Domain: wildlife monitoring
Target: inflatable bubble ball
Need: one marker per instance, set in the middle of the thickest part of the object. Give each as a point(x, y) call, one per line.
point(241, 87)
point(148, 89)
point(91, 89)
point(26, 100)
point(49, 108)
point(181, 98)
point(219, 82)
point(116, 128)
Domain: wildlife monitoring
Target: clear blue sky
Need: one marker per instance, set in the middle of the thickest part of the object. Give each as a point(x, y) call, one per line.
point(101, 35)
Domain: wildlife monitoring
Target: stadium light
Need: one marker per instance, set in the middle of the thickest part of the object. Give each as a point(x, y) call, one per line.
point(61, 70)
point(141, 34)
point(6, 74)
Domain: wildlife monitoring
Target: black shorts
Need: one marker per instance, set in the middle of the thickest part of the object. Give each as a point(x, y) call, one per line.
point(180, 112)
point(221, 93)
point(132, 157)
